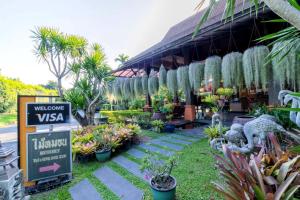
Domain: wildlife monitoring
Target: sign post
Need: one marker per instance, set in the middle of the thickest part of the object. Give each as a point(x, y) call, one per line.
point(48, 154)
point(45, 157)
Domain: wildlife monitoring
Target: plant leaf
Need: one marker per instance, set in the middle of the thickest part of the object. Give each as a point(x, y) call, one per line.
point(259, 194)
point(285, 168)
point(282, 188)
point(289, 194)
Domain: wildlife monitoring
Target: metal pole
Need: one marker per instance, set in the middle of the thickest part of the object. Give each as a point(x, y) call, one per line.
point(51, 126)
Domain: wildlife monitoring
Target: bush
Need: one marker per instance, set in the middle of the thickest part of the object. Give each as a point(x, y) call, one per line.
point(120, 116)
point(214, 132)
point(87, 140)
point(10, 88)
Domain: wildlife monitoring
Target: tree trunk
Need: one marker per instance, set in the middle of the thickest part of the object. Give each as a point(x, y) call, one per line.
point(285, 10)
point(59, 87)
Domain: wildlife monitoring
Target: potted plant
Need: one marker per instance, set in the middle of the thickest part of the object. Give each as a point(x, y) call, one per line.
point(169, 127)
point(105, 143)
point(158, 172)
point(157, 125)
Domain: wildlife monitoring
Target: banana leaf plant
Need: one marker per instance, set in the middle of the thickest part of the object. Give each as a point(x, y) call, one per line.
point(272, 174)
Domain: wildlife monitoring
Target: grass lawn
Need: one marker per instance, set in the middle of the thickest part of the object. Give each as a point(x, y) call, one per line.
point(7, 119)
point(194, 173)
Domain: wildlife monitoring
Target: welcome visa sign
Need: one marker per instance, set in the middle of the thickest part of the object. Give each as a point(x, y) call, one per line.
point(47, 113)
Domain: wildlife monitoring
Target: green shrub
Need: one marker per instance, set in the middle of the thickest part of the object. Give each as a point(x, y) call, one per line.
point(120, 116)
point(213, 132)
point(10, 88)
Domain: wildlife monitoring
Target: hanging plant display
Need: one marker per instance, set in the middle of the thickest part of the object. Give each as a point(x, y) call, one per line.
point(232, 70)
point(162, 76)
point(256, 70)
point(153, 85)
point(286, 65)
point(138, 88)
point(132, 93)
point(126, 89)
point(117, 87)
point(145, 84)
point(172, 81)
point(184, 82)
point(212, 71)
point(196, 75)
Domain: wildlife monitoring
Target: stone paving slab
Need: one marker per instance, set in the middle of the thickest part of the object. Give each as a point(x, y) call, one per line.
point(136, 153)
point(175, 140)
point(195, 132)
point(84, 190)
point(129, 165)
point(184, 137)
point(156, 149)
point(166, 144)
point(118, 185)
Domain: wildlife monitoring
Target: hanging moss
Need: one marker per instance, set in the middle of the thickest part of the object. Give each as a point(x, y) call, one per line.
point(126, 90)
point(212, 71)
point(153, 85)
point(256, 70)
point(162, 76)
point(248, 62)
point(232, 70)
point(145, 84)
point(132, 93)
point(196, 75)
point(184, 82)
point(172, 81)
point(117, 87)
point(138, 88)
point(286, 65)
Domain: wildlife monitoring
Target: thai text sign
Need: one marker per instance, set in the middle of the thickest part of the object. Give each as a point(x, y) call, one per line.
point(47, 113)
point(48, 154)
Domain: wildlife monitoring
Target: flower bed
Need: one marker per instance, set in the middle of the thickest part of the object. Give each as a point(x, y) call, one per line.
point(114, 137)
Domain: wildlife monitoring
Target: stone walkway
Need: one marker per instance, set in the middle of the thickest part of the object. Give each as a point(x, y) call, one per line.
point(166, 145)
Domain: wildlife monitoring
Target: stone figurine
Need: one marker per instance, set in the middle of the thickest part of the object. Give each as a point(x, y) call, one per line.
point(285, 97)
point(255, 132)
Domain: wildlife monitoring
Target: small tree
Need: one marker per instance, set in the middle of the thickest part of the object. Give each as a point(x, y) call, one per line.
point(93, 75)
point(122, 58)
point(58, 50)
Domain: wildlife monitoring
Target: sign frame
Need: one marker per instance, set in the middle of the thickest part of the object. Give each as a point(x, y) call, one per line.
point(49, 103)
point(50, 132)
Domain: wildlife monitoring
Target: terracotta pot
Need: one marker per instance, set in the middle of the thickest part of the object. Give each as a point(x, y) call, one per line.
point(190, 112)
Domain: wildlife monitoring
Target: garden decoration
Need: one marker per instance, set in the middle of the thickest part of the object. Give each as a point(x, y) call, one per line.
point(163, 185)
point(255, 131)
point(196, 75)
point(232, 70)
point(212, 72)
point(153, 85)
point(162, 76)
point(255, 67)
point(286, 65)
point(132, 93)
point(285, 96)
point(117, 88)
point(184, 83)
point(138, 87)
point(172, 81)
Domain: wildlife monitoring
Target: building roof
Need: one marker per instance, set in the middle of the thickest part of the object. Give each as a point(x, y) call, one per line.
point(182, 32)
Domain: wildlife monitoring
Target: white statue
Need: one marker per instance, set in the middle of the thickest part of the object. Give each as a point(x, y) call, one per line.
point(285, 97)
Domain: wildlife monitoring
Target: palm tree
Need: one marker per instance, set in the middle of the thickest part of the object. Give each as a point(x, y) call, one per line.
point(122, 58)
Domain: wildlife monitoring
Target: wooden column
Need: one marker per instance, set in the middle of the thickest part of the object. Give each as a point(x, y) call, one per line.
point(148, 106)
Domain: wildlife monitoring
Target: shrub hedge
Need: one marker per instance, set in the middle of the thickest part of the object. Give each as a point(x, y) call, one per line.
point(10, 88)
point(120, 116)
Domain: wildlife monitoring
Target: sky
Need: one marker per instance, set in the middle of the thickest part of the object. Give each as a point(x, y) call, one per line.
point(120, 26)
